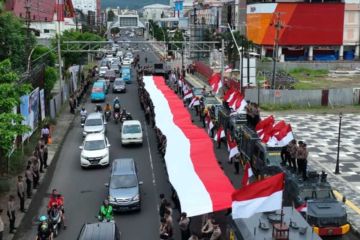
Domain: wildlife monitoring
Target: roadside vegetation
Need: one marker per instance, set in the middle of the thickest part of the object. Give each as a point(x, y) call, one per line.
point(310, 79)
point(294, 108)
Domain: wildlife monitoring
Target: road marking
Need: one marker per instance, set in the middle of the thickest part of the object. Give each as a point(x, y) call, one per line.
point(350, 204)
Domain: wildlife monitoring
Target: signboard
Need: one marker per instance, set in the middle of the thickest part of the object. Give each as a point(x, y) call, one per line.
point(251, 81)
point(24, 111)
point(42, 103)
point(34, 110)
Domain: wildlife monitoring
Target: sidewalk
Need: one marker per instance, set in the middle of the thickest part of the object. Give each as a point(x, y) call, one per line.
point(64, 122)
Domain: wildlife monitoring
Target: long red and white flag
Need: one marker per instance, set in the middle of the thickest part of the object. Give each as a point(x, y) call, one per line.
point(248, 174)
point(269, 132)
point(190, 158)
point(263, 124)
point(219, 134)
point(262, 196)
point(228, 94)
point(215, 82)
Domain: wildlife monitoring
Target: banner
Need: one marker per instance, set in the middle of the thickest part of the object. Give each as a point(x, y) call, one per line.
point(24, 111)
point(34, 109)
point(42, 103)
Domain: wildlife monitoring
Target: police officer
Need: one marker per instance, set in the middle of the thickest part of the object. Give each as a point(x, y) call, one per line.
point(302, 155)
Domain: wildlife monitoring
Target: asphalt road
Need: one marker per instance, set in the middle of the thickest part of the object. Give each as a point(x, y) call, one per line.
point(84, 190)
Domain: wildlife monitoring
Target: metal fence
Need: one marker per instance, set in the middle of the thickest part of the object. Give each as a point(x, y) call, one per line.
point(58, 100)
point(335, 97)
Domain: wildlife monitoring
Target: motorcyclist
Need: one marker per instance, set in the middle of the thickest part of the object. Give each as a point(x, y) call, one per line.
point(44, 229)
point(106, 211)
point(98, 108)
point(83, 112)
point(128, 116)
point(58, 199)
point(123, 114)
point(116, 105)
point(107, 107)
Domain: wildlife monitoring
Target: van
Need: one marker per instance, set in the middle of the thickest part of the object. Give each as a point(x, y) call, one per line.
point(99, 231)
point(126, 73)
point(124, 186)
point(98, 92)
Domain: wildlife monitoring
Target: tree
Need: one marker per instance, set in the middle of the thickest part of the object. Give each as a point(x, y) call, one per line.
point(77, 57)
point(10, 123)
point(111, 16)
point(51, 75)
point(178, 36)
point(13, 40)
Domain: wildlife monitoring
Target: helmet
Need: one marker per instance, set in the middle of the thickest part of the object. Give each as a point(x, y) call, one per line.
point(43, 218)
point(83, 108)
point(117, 98)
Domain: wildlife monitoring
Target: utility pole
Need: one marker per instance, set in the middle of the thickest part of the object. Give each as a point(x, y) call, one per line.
point(278, 26)
point(27, 23)
point(58, 45)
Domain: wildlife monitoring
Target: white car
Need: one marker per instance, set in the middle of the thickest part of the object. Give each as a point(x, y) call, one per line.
point(126, 61)
point(131, 132)
point(95, 151)
point(102, 71)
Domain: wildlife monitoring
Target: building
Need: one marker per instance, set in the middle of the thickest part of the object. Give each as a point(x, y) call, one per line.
point(307, 31)
point(43, 15)
point(157, 11)
point(89, 5)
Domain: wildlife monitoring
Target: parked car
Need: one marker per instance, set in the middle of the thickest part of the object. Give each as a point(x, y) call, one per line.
point(99, 231)
point(119, 85)
point(124, 186)
point(98, 91)
point(95, 151)
point(131, 132)
point(94, 124)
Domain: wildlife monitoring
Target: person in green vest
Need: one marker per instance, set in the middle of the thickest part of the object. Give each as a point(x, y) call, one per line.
point(106, 212)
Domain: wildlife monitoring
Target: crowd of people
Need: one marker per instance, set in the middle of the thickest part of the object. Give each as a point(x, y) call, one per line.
point(295, 154)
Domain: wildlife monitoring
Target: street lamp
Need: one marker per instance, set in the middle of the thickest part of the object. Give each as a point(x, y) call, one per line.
point(337, 168)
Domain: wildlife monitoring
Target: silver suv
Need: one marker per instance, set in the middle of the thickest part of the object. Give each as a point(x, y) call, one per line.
point(124, 186)
point(94, 124)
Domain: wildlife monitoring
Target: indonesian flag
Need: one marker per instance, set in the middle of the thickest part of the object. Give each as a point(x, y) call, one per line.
point(240, 104)
point(233, 98)
point(262, 196)
point(282, 138)
point(227, 69)
point(194, 102)
point(260, 126)
point(267, 137)
point(216, 86)
point(228, 94)
point(219, 134)
point(248, 173)
point(233, 149)
point(302, 207)
point(210, 126)
point(200, 183)
point(188, 94)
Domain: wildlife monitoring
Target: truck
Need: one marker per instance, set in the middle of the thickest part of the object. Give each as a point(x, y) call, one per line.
point(159, 70)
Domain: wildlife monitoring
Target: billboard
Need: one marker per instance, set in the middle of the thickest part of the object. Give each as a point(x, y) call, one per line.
point(24, 111)
point(303, 24)
point(42, 103)
point(34, 110)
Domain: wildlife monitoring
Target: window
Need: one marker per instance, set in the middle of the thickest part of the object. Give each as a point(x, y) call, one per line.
point(46, 30)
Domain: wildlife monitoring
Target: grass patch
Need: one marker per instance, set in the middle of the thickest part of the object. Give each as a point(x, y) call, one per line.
point(313, 109)
point(310, 79)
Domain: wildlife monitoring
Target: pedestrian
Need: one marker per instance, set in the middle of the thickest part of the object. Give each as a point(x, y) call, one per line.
point(165, 230)
point(216, 234)
point(292, 149)
point(41, 157)
point(45, 155)
point(193, 237)
point(168, 215)
point(302, 155)
point(163, 203)
point(208, 228)
point(11, 213)
point(29, 179)
point(284, 155)
point(184, 225)
point(175, 199)
point(72, 104)
point(236, 161)
point(1, 225)
point(45, 132)
point(35, 168)
point(21, 193)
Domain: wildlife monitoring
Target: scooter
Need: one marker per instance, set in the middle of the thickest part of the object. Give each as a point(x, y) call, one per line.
point(116, 117)
point(107, 115)
point(82, 120)
point(55, 218)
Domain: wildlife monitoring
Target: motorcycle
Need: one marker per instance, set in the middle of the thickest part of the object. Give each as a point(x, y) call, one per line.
point(107, 115)
point(123, 118)
point(55, 218)
point(82, 120)
point(116, 117)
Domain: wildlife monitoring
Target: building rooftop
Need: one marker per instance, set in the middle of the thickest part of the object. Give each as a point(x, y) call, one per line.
point(157, 6)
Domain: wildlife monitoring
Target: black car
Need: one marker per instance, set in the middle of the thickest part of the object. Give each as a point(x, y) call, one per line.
point(99, 231)
point(119, 86)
